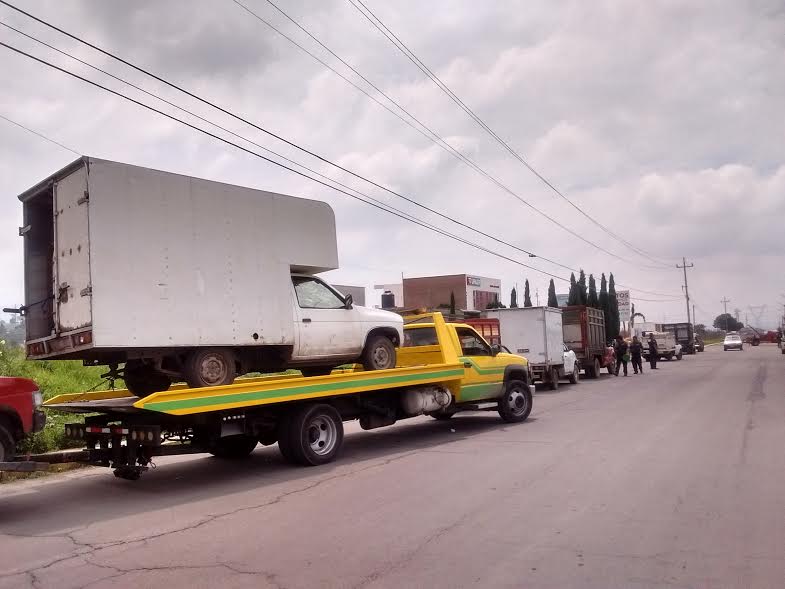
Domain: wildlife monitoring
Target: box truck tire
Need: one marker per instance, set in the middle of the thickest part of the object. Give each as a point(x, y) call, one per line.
point(210, 367)
point(143, 379)
point(7, 445)
point(379, 353)
point(553, 382)
point(516, 402)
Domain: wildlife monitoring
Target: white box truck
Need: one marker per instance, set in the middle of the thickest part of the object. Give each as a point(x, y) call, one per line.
point(536, 333)
point(177, 277)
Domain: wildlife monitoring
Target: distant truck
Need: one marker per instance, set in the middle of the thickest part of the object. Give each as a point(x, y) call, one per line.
point(537, 334)
point(180, 278)
point(667, 348)
point(584, 334)
point(684, 335)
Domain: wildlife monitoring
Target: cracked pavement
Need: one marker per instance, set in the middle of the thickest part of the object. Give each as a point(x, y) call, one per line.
point(670, 479)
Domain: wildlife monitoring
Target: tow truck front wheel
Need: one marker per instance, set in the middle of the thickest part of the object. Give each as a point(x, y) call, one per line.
point(516, 403)
point(312, 435)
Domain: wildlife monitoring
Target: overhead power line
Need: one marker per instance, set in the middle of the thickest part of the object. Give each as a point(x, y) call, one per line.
point(401, 46)
point(377, 205)
point(421, 127)
point(41, 135)
point(268, 132)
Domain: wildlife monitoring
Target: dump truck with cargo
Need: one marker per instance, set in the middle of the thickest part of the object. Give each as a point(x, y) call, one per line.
point(584, 334)
point(537, 334)
point(444, 368)
point(165, 278)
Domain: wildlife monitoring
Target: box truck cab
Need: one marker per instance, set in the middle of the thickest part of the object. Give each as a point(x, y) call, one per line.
point(165, 277)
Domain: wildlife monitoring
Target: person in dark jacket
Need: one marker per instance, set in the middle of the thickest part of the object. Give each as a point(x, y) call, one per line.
point(653, 352)
point(620, 346)
point(636, 353)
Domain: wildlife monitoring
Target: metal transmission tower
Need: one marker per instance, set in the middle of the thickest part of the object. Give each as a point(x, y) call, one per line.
point(684, 266)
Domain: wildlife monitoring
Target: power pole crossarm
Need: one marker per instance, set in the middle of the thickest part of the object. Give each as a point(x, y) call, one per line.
point(684, 266)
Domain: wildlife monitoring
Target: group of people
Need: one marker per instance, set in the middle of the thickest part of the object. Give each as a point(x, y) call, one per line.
point(634, 351)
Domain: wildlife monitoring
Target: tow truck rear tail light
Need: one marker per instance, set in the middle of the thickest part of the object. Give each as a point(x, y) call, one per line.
point(145, 435)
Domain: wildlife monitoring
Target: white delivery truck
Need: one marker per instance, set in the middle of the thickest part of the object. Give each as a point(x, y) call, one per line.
point(536, 333)
point(177, 278)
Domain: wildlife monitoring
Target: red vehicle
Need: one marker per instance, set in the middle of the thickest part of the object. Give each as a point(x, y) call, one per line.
point(488, 328)
point(20, 415)
point(584, 334)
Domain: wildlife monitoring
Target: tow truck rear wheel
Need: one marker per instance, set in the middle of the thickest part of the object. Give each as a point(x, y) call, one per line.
point(516, 402)
point(312, 435)
point(234, 447)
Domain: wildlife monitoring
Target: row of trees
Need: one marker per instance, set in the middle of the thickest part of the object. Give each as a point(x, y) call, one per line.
point(581, 293)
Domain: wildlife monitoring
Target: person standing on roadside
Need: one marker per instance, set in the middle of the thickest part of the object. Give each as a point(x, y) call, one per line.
point(636, 353)
point(653, 352)
point(620, 346)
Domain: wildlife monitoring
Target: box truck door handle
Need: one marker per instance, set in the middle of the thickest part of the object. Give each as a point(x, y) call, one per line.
point(306, 320)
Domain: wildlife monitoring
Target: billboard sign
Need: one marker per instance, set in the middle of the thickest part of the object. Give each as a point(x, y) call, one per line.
point(625, 305)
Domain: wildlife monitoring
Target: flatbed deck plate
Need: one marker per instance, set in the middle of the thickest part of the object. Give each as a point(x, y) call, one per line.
point(181, 400)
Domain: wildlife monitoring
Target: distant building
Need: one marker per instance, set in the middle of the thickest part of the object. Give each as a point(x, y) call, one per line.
point(357, 292)
point(562, 299)
point(472, 293)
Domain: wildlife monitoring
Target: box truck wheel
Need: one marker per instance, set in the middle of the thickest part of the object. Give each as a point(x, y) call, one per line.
point(576, 374)
point(516, 402)
point(143, 379)
point(595, 369)
point(209, 367)
point(312, 435)
point(234, 447)
point(379, 353)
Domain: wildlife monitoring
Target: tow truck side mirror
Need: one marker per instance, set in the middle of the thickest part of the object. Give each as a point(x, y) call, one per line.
point(496, 349)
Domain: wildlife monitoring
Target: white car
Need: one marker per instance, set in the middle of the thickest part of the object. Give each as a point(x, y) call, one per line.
point(732, 341)
point(571, 366)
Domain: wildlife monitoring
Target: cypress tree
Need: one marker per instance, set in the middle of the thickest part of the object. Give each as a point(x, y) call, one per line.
point(592, 301)
point(582, 296)
point(574, 297)
point(527, 300)
point(604, 305)
point(552, 302)
point(452, 304)
point(513, 299)
point(613, 305)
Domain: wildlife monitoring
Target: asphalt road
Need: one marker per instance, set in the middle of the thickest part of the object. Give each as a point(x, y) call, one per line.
point(671, 479)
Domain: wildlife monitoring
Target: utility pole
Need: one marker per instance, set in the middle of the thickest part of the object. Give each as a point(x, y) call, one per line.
point(693, 313)
point(537, 295)
point(725, 301)
point(684, 266)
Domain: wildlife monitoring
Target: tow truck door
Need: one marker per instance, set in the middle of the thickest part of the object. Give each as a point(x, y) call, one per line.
point(483, 374)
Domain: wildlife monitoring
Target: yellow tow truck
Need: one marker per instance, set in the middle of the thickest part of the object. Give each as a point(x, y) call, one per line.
point(442, 369)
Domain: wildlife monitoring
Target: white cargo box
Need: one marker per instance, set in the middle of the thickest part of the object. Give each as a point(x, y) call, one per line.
point(533, 332)
point(139, 258)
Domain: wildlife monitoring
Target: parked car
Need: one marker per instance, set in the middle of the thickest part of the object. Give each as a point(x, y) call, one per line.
point(732, 342)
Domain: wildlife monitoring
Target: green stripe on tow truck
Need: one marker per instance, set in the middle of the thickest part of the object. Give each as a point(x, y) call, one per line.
point(288, 392)
point(481, 370)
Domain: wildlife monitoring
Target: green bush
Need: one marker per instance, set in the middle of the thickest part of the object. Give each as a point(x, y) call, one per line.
point(54, 377)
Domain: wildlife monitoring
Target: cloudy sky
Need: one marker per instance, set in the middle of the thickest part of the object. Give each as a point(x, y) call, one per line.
point(664, 121)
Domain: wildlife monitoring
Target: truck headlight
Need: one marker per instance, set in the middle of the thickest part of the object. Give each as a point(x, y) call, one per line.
point(38, 399)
